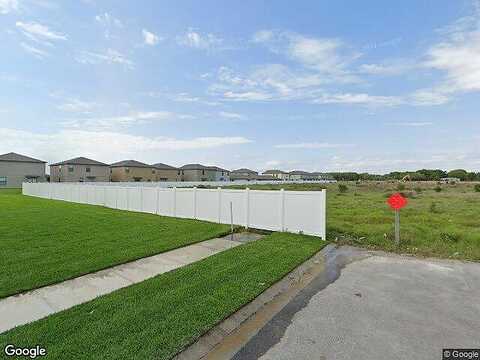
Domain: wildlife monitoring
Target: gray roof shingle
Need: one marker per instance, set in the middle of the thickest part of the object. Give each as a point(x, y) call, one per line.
point(14, 157)
point(162, 166)
point(131, 163)
point(80, 161)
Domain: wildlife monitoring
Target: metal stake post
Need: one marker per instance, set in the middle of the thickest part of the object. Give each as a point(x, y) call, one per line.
point(397, 227)
point(231, 218)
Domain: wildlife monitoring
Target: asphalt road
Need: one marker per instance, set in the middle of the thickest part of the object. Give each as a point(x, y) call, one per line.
point(380, 306)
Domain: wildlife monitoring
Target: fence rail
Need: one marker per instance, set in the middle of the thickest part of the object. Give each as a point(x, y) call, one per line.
point(291, 211)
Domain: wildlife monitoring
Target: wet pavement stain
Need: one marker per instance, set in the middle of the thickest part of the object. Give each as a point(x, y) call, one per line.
point(274, 330)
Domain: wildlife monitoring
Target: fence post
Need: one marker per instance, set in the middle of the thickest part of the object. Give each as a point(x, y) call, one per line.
point(174, 201)
point(195, 202)
point(157, 209)
point(282, 209)
point(116, 198)
point(247, 208)
point(324, 214)
point(141, 198)
point(219, 190)
point(128, 198)
point(105, 195)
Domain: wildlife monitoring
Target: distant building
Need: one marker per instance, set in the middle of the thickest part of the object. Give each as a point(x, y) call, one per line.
point(16, 169)
point(301, 175)
point(80, 169)
point(132, 170)
point(277, 174)
point(198, 172)
point(243, 174)
point(447, 180)
point(164, 172)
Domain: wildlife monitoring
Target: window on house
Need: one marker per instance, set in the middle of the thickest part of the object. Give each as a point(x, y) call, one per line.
point(3, 180)
point(127, 170)
point(87, 169)
point(178, 172)
point(203, 172)
point(153, 171)
point(70, 169)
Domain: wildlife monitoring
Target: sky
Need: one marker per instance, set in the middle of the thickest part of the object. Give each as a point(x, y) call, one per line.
point(311, 85)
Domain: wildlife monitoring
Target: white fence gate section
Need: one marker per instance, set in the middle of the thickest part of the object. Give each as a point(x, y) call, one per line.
point(291, 211)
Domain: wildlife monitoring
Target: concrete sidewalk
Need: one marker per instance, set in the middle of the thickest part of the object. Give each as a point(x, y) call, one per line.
point(33, 305)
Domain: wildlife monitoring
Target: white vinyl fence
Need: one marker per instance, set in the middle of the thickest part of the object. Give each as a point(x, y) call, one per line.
point(292, 211)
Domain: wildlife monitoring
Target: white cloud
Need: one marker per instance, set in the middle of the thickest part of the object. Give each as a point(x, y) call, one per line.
point(231, 115)
point(395, 68)
point(247, 96)
point(123, 121)
point(109, 57)
point(108, 20)
point(428, 97)
point(313, 145)
point(150, 38)
point(7, 6)
point(38, 53)
point(197, 40)
point(39, 33)
point(359, 99)
point(77, 106)
point(102, 145)
point(328, 57)
point(413, 123)
point(458, 55)
point(263, 36)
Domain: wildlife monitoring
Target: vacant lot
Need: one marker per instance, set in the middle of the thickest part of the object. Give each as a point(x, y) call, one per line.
point(44, 241)
point(158, 317)
point(443, 223)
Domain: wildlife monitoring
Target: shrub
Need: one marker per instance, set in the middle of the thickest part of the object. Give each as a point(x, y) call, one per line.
point(401, 187)
point(418, 189)
point(477, 187)
point(342, 188)
point(437, 189)
point(450, 236)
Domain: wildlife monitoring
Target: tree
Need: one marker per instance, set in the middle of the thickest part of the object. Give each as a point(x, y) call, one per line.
point(458, 173)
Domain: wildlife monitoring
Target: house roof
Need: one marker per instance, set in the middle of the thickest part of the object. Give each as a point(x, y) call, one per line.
point(299, 172)
point(162, 166)
point(131, 163)
point(244, 171)
point(80, 161)
point(14, 157)
point(216, 168)
point(194, 167)
point(274, 172)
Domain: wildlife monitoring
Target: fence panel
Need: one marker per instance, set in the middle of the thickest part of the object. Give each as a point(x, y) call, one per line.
point(149, 200)
point(265, 210)
point(207, 204)
point(166, 202)
point(293, 211)
point(304, 212)
point(238, 200)
point(185, 203)
point(111, 197)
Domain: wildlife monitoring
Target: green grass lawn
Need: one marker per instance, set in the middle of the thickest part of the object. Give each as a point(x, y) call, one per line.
point(443, 224)
point(160, 316)
point(45, 241)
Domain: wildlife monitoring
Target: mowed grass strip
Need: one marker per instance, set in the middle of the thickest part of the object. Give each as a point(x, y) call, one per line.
point(160, 316)
point(439, 220)
point(47, 241)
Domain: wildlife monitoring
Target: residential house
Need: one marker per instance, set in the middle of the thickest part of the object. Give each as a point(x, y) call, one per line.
point(132, 171)
point(80, 169)
point(277, 174)
point(16, 169)
point(322, 176)
point(164, 172)
point(243, 174)
point(301, 175)
point(198, 172)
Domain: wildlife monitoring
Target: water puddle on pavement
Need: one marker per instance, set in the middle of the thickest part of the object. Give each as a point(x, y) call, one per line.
point(267, 327)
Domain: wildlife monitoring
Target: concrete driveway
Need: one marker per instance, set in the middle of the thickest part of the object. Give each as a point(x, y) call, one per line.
point(379, 306)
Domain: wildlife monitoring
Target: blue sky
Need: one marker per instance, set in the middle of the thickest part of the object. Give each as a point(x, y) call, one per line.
point(320, 85)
